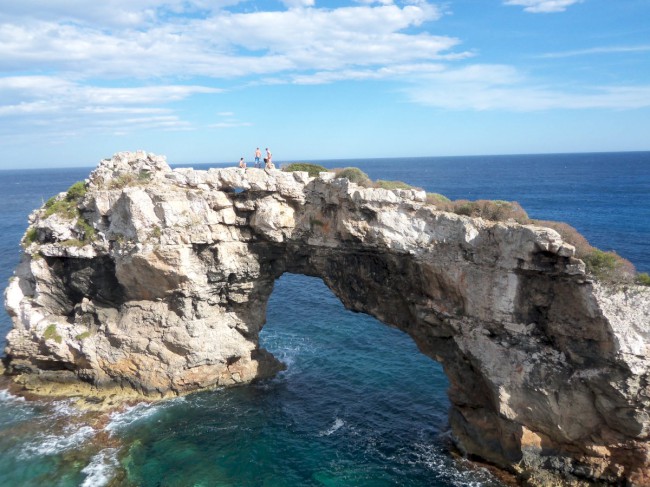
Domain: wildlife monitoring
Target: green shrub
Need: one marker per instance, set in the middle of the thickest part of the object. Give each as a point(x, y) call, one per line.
point(66, 206)
point(380, 183)
point(312, 169)
point(30, 236)
point(130, 179)
point(609, 266)
point(63, 208)
point(50, 202)
point(52, 334)
point(83, 335)
point(72, 242)
point(498, 210)
point(493, 210)
point(355, 175)
point(87, 230)
point(643, 279)
point(463, 207)
point(437, 199)
point(605, 266)
point(76, 191)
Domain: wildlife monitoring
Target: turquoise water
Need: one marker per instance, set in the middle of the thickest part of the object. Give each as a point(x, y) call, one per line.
point(357, 405)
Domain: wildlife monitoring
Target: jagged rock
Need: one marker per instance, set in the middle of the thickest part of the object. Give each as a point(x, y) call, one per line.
point(548, 368)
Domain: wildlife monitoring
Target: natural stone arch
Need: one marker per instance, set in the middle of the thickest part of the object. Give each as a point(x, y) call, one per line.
point(548, 369)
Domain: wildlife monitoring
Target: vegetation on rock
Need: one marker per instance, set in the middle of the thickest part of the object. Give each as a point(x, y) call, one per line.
point(311, 169)
point(437, 199)
point(66, 207)
point(354, 175)
point(380, 183)
point(605, 266)
point(51, 333)
point(30, 237)
point(83, 335)
point(130, 179)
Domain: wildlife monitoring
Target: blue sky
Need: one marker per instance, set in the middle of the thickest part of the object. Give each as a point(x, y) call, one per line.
point(210, 80)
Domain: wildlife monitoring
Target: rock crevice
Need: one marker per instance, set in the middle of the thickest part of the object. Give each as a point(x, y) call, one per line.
point(167, 294)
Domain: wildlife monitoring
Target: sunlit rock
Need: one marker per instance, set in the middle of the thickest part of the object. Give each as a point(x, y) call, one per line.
point(548, 369)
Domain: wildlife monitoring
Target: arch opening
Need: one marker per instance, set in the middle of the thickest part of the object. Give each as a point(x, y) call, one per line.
point(374, 406)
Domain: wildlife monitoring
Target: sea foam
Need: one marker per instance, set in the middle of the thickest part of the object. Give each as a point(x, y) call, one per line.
point(101, 468)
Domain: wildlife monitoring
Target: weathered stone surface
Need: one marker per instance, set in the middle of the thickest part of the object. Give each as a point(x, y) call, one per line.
point(548, 369)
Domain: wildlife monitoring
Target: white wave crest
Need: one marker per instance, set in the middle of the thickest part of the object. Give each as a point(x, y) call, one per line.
point(6, 396)
point(338, 424)
point(53, 444)
point(122, 419)
point(101, 468)
point(132, 414)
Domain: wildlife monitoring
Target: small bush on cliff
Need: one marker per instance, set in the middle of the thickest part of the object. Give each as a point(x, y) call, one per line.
point(643, 279)
point(605, 266)
point(437, 199)
point(77, 191)
point(51, 333)
point(609, 267)
point(30, 236)
point(493, 210)
point(380, 183)
point(355, 175)
point(311, 169)
point(66, 206)
point(87, 230)
point(130, 179)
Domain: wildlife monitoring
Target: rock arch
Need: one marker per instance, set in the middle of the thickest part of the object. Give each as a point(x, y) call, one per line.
point(547, 368)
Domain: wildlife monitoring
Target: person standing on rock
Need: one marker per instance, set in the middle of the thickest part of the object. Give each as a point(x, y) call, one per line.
point(258, 154)
point(269, 159)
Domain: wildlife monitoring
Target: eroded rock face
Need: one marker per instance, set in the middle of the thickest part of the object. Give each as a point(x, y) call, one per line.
point(548, 369)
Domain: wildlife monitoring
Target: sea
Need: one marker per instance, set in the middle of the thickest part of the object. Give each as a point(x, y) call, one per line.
point(358, 404)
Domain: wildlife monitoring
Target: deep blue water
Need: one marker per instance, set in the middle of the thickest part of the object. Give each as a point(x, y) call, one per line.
point(358, 404)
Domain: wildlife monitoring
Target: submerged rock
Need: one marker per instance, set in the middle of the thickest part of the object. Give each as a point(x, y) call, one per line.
point(157, 283)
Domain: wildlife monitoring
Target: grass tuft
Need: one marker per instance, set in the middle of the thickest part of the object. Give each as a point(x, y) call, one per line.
point(311, 169)
point(643, 279)
point(380, 183)
point(130, 179)
point(83, 335)
point(51, 333)
point(67, 205)
point(30, 237)
point(355, 175)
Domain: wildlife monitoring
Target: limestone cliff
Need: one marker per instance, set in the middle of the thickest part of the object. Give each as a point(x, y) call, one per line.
point(156, 281)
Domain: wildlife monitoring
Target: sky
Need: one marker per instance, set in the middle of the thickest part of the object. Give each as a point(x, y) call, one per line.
point(210, 80)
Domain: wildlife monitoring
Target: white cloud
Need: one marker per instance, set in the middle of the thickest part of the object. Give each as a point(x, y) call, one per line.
point(543, 6)
point(146, 41)
point(54, 104)
point(298, 3)
point(108, 13)
point(597, 50)
point(224, 125)
point(500, 87)
point(226, 45)
point(372, 2)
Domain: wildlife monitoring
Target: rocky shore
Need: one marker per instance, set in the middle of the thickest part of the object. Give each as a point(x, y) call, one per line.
point(151, 282)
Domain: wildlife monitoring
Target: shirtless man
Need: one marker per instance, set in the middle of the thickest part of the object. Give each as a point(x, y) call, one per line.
point(258, 154)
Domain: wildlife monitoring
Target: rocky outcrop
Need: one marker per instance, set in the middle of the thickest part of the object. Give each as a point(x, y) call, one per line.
point(157, 282)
